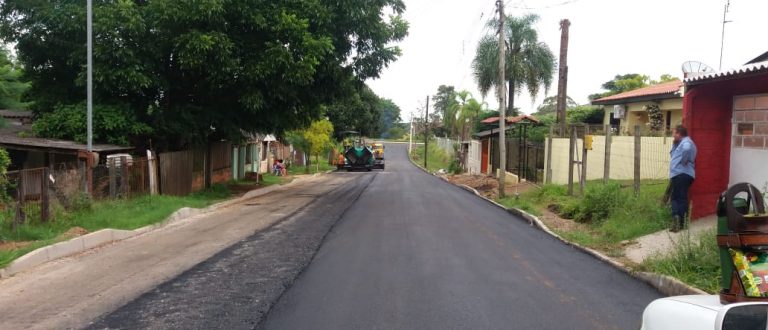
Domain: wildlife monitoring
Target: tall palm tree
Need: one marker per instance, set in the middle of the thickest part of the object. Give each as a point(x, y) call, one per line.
point(530, 63)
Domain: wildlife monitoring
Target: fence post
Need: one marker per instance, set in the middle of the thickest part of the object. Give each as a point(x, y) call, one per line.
point(571, 147)
point(637, 159)
point(607, 163)
point(583, 182)
point(548, 170)
point(152, 169)
point(21, 217)
point(125, 180)
point(45, 213)
point(112, 178)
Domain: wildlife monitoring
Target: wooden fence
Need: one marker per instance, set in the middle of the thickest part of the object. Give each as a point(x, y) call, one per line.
point(183, 172)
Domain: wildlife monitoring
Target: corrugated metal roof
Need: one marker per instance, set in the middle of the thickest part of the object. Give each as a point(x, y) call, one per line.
point(746, 69)
point(668, 88)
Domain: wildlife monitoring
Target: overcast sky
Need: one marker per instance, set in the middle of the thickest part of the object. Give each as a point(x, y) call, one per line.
point(607, 37)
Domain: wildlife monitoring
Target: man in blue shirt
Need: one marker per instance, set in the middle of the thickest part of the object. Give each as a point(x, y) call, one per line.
point(682, 172)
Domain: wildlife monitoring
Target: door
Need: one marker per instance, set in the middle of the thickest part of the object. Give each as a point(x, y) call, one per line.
point(484, 156)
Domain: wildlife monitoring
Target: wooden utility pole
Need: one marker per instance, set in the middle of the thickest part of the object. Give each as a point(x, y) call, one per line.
point(426, 131)
point(502, 102)
point(562, 82)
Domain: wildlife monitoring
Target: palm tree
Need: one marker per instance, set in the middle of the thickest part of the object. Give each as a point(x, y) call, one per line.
point(530, 63)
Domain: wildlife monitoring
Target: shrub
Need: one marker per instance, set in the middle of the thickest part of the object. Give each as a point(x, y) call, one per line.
point(599, 201)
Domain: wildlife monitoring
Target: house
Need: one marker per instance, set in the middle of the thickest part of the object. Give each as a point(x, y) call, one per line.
point(27, 151)
point(626, 110)
point(726, 114)
point(489, 155)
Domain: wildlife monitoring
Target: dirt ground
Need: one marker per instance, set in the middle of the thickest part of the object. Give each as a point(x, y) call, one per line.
point(489, 186)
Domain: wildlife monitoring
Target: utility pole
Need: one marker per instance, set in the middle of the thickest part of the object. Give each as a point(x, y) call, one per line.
point(502, 103)
point(426, 131)
point(410, 137)
point(89, 74)
point(562, 82)
point(722, 38)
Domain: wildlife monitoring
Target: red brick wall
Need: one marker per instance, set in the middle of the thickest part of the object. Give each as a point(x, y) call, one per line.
point(221, 176)
point(707, 112)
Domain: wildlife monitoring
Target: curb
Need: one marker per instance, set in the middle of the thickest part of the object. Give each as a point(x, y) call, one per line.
point(106, 236)
point(666, 285)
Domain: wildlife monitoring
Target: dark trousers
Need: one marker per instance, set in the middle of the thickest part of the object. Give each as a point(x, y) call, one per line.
point(680, 185)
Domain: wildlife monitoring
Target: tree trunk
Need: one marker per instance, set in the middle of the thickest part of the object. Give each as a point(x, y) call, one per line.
point(511, 106)
point(308, 159)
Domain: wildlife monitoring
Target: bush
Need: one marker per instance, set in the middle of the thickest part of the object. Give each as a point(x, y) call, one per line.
point(454, 167)
point(599, 201)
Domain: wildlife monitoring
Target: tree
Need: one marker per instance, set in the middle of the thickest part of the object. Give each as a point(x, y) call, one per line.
point(530, 64)
point(11, 85)
point(389, 117)
point(196, 71)
point(627, 82)
point(358, 112)
point(443, 102)
point(318, 138)
point(549, 105)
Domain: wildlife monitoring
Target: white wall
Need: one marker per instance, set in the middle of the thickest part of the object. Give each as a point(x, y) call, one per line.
point(749, 165)
point(474, 156)
point(654, 159)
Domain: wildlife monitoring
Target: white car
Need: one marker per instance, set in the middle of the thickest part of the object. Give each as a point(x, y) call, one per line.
point(703, 312)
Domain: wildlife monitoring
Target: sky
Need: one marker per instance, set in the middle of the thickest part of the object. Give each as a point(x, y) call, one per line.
point(607, 37)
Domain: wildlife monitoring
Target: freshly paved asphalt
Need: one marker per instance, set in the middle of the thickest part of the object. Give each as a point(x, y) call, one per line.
point(415, 252)
point(398, 249)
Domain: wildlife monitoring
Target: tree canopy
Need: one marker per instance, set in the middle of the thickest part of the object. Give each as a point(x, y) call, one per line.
point(530, 64)
point(626, 82)
point(11, 86)
point(183, 72)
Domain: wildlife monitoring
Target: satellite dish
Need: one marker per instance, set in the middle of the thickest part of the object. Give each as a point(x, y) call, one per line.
point(696, 67)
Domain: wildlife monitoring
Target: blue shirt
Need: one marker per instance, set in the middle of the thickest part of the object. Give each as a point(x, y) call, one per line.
point(683, 160)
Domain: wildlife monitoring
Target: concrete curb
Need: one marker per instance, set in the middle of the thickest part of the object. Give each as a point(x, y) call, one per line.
point(666, 285)
point(106, 236)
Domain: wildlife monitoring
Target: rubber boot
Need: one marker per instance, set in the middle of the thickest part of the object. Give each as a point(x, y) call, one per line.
point(676, 224)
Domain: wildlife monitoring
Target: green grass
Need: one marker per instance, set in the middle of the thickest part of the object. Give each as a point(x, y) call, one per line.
point(117, 214)
point(611, 213)
point(523, 202)
point(436, 158)
point(694, 260)
point(313, 168)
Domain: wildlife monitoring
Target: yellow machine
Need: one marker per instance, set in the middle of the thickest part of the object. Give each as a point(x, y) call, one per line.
point(378, 155)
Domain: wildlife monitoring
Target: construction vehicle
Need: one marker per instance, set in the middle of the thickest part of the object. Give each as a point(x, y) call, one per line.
point(378, 155)
point(357, 155)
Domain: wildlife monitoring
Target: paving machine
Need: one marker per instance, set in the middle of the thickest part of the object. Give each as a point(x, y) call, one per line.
point(357, 155)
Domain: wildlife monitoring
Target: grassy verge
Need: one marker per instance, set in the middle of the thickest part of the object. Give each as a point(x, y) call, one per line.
point(694, 260)
point(610, 213)
point(436, 158)
point(117, 214)
point(320, 167)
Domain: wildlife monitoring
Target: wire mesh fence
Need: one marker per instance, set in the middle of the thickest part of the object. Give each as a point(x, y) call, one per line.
point(593, 154)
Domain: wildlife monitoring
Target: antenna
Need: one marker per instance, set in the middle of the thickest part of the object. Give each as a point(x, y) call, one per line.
point(722, 38)
point(695, 68)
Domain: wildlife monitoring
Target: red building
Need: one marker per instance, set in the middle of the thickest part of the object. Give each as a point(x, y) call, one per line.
point(726, 114)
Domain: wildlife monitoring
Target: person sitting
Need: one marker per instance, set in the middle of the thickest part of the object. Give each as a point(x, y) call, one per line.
point(276, 169)
point(283, 168)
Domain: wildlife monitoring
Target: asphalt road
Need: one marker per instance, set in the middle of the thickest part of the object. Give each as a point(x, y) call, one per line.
point(415, 252)
point(394, 249)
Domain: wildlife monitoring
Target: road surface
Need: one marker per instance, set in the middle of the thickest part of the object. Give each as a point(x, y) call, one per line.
point(398, 249)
